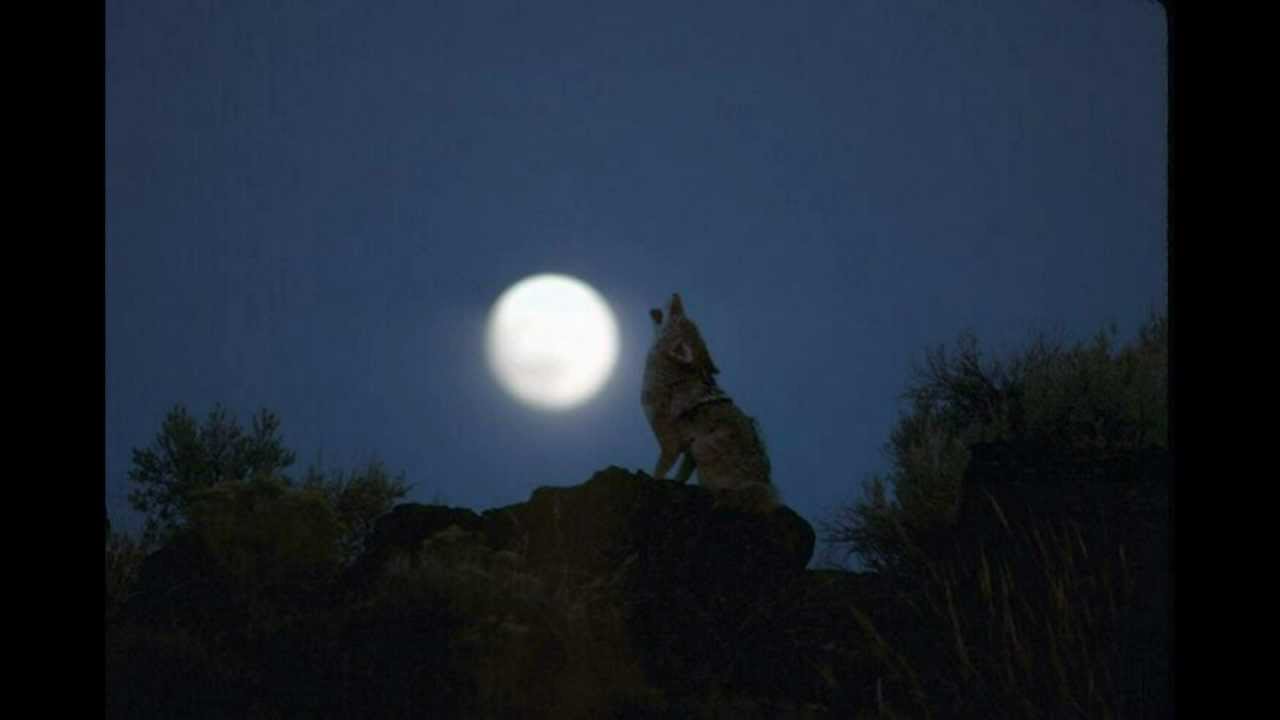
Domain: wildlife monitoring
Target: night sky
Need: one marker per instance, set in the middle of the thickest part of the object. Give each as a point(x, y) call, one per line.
point(311, 206)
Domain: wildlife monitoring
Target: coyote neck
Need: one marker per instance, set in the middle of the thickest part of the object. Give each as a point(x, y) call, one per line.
point(714, 395)
point(671, 397)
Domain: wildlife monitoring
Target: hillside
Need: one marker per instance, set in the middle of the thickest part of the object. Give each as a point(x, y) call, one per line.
point(628, 597)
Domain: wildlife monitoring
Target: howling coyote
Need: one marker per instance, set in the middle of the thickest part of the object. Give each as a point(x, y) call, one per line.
point(692, 416)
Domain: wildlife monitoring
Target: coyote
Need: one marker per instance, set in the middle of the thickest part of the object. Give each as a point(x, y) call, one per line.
point(692, 416)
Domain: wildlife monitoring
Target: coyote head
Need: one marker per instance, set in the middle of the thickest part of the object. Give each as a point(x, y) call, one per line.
point(678, 336)
point(675, 309)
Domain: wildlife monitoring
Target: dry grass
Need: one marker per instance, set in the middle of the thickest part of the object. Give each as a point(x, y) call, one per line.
point(1037, 628)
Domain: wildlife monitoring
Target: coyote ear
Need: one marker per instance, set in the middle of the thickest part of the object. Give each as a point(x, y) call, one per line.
point(682, 353)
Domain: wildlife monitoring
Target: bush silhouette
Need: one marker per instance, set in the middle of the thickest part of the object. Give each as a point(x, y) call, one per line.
point(1087, 397)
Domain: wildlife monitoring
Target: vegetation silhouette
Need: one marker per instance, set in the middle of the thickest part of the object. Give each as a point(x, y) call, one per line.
point(1017, 551)
point(1024, 527)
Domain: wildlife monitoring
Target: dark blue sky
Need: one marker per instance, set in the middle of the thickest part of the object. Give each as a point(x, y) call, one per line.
point(312, 205)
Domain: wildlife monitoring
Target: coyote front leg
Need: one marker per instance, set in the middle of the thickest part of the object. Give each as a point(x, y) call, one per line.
point(687, 466)
point(666, 458)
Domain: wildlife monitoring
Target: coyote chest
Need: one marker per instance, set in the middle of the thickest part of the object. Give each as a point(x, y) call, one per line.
point(670, 390)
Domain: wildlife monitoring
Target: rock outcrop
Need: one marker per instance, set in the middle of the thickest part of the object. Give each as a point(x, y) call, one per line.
point(616, 519)
point(705, 594)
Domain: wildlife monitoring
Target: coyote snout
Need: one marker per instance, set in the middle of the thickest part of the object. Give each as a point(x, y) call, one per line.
point(692, 416)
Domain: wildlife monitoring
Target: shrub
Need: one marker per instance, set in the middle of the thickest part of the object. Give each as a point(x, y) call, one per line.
point(1089, 396)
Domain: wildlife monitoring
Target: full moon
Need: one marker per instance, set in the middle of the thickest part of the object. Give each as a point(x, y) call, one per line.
point(552, 341)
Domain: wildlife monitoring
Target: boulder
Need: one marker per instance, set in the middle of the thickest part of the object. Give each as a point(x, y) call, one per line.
point(702, 590)
point(409, 524)
point(616, 519)
point(403, 532)
point(619, 516)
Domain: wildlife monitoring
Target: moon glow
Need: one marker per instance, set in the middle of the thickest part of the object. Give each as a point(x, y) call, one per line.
point(552, 341)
